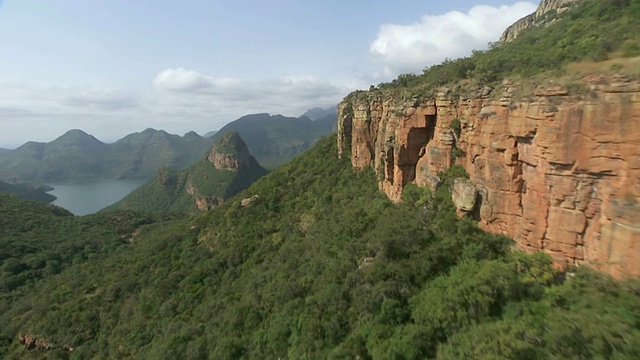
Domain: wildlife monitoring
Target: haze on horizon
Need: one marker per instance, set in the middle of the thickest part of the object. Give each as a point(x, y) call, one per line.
point(112, 68)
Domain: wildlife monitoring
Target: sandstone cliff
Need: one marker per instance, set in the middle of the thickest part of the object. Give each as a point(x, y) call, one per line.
point(557, 171)
point(543, 15)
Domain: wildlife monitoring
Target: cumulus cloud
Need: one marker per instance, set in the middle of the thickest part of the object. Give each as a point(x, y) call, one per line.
point(411, 48)
point(187, 89)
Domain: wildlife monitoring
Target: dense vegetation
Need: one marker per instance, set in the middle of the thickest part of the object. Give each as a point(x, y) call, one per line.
point(27, 191)
point(176, 191)
point(276, 139)
point(322, 265)
point(592, 30)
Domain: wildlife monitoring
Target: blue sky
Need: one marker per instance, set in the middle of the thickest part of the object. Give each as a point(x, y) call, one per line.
point(112, 67)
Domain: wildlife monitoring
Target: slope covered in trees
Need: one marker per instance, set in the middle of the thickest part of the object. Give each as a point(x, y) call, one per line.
point(322, 265)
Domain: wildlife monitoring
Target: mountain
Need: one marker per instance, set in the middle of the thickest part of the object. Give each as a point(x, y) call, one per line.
point(210, 134)
point(376, 253)
point(77, 155)
point(139, 155)
point(544, 15)
point(226, 169)
point(320, 265)
point(319, 113)
point(26, 191)
point(550, 145)
point(275, 139)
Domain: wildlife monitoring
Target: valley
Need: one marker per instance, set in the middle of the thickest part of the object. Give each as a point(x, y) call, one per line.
point(485, 208)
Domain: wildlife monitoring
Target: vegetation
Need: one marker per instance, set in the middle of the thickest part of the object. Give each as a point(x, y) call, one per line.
point(322, 265)
point(27, 191)
point(177, 191)
point(276, 139)
point(593, 29)
point(319, 265)
point(78, 156)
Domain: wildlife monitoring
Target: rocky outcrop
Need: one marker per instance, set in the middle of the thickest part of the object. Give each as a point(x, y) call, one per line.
point(556, 170)
point(545, 14)
point(230, 153)
point(31, 342)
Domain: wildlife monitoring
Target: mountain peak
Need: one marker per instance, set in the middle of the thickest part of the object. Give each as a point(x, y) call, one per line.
point(318, 113)
point(229, 153)
point(79, 138)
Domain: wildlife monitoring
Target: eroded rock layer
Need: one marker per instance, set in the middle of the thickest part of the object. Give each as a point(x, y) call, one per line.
point(557, 171)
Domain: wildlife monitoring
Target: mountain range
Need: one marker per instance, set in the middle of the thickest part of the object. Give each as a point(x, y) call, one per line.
point(77, 156)
point(385, 240)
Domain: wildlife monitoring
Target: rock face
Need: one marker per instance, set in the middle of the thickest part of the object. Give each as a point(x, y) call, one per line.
point(558, 172)
point(229, 153)
point(540, 17)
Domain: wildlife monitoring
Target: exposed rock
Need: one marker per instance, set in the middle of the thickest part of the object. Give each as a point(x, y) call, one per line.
point(538, 18)
point(559, 175)
point(230, 153)
point(248, 201)
point(464, 195)
point(366, 263)
point(31, 342)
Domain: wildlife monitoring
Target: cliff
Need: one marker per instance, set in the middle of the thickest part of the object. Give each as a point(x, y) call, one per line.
point(558, 171)
point(544, 14)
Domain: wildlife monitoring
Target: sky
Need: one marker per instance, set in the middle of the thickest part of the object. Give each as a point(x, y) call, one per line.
point(114, 67)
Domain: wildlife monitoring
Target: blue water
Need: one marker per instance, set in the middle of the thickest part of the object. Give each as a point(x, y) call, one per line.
point(88, 197)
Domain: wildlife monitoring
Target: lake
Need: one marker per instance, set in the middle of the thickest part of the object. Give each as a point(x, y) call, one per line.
point(88, 197)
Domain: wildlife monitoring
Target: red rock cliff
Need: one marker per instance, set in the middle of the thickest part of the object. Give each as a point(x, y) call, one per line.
point(558, 172)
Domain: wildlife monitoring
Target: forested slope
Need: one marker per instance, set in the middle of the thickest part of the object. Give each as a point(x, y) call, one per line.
point(322, 265)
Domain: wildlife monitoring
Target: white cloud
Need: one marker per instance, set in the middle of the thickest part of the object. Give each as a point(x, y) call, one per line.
point(188, 91)
point(105, 99)
point(411, 48)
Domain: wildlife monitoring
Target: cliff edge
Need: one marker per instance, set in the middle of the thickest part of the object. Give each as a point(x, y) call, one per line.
point(558, 172)
point(546, 12)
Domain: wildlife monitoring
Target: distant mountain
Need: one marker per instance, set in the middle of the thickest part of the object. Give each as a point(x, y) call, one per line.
point(210, 134)
point(225, 170)
point(26, 191)
point(77, 155)
point(319, 113)
point(276, 139)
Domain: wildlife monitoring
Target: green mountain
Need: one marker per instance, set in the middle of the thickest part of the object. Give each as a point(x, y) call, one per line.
point(276, 139)
point(27, 191)
point(226, 169)
point(319, 113)
point(318, 264)
point(77, 155)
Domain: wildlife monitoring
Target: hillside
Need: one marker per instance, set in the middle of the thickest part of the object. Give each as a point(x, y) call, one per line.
point(26, 191)
point(226, 169)
point(370, 245)
point(276, 139)
point(321, 265)
point(549, 143)
point(77, 156)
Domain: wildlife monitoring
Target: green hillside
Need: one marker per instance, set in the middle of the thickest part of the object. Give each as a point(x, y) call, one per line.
point(318, 264)
point(202, 185)
point(322, 265)
point(77, 156)
point(592, 30)
point(276, 139)
point(26, 191)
